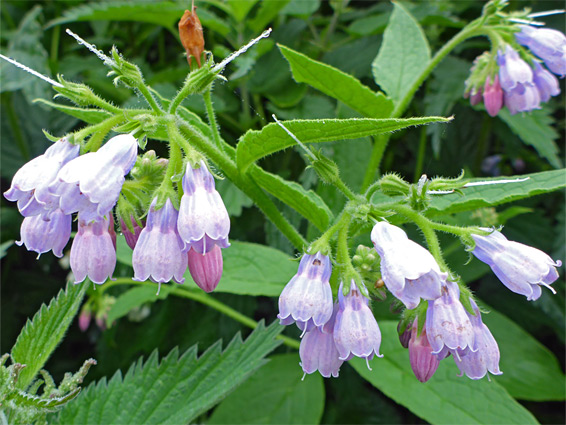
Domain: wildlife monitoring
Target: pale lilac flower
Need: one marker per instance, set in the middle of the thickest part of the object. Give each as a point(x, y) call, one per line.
point(547, 44)
point(492, 96)
point(203, 218)
point(546, 83)
point(409, 271)
point(158, 253)
point(91, 183)
point(93, 252)
point(34, 177)
point(521, 268)
point(356, 332)
point(448, 326)
point(423, 362)
point(307, 298)
point(206, 270)
point(43, 233)
point(476, 364)
point(318, 350)
point(131, 238)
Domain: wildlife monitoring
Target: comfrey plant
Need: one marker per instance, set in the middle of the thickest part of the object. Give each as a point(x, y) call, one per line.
point(173, 218)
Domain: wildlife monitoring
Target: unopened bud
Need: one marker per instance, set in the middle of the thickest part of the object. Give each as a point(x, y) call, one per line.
point(131, 233)
point(84, 318)
point(393, 185)
point(190, 32)
point(493, 96)
point(326, 169)
point(423, 362)
point(206, 270)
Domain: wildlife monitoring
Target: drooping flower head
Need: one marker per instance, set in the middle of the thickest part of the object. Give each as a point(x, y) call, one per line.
point(206, 270)
point(203, 218)
point(423, 362)
point(43, 233)
point(547, 44)
point(32, 180)
point(409, 271)
point(158, 254)
point(93, 253)
point(521, 268)
point(307, 298)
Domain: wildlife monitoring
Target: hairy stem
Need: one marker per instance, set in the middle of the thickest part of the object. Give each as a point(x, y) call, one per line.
point(207, 95)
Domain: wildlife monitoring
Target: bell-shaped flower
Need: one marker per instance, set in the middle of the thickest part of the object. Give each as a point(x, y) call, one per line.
point(546, 83)
point(307, 298)
point(423, 362)
point(93, 252)
point(131, 238)
point(318, 350)
point(203, 218)
point(206, 270)
point(492, 96)
point(91, 183)
point(43, 233)
point(521, 268)
point(33, 179)
point(448, 327)
point(476, 364)
point(158, 254)
point(547, 44)
point(409, 271)
point(356, 332)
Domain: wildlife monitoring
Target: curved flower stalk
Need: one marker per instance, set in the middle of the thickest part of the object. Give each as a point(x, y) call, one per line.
point(45, 233)
point(521, 268)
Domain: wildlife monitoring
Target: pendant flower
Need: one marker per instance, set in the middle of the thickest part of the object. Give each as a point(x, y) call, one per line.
point(547, 44)
point(45, 233)
point(206, 270)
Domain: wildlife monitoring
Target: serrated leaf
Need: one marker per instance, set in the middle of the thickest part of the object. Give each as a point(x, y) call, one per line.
point(90, 116)
point(484, 196)
point(22, 399)
point(256, 144)
point(403, 55)
point(174, 390)
point(41, 335)
point(445, 398)
point(337, 84)
point(305, 202)
point(275, 394)
point(537, 130)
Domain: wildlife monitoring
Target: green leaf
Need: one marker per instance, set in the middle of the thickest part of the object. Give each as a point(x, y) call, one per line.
point(484, 196)
point(337, 84)
point(403, 55)
point(537, 130)
point(234, 199)
point(305, 202)
point(25, 400)
point(275, 394)
point(240, 8)
point(90, 116)
point(133, 298)
point(174, 390)
point(256, 144)
point(268, 10)
point(530, 370)
point(40, 336)
point(446, 398)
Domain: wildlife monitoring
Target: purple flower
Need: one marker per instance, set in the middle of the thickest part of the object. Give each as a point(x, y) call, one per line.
point(131, 238)
point(547, 44)
point(93, 253)
point(423, 362)
point(307, 298)
point(516, 79)
point(448, 326)
point(206, 270)
point(34, 177)
point(158, 253)
point(476, 364)
point(91, 183)
point(42, 233)
point(356, 332)
point(521, 268)
point(493, 96)
point(203, 219)
point(318, 350)
point(409, 271)
point(546, 83)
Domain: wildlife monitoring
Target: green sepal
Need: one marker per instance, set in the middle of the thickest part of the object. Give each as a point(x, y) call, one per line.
point(325, 168)
point(393, 185)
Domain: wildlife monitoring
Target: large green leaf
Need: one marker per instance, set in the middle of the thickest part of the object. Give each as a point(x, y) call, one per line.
point(337, 84)
point(446, 398)
point(90, 116)
point(484, 196)
point(275, 394)
point(40, 336)
point(403, 55)
point(174, 390)
point(255, 144)
point(133, 298)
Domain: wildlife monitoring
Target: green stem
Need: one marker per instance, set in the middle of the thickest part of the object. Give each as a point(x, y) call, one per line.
point(342, 252)
point(150, 99)
point(340, 185)
point(379, 145)
point(207, 95)
point(420, 155)
point(102, 127)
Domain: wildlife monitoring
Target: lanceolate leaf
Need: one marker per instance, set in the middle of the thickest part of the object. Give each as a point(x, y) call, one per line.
point(484, 196)
point(44, 332)
point(446, 398)
point(337, 84)
point(174, 390)
point(90, 116)
point(255, 144)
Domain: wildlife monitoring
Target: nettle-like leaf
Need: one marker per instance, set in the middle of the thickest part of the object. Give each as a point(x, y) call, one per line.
point(40, 336)
point(403, 55)
point(174, 390)
point(256, 144)
point(337, 84)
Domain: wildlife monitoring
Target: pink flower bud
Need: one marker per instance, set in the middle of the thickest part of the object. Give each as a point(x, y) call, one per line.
point(131, 238)
point(493, 96)
point(206, 269)
point(423, 362)
point(476, 97)
point(84, 319)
